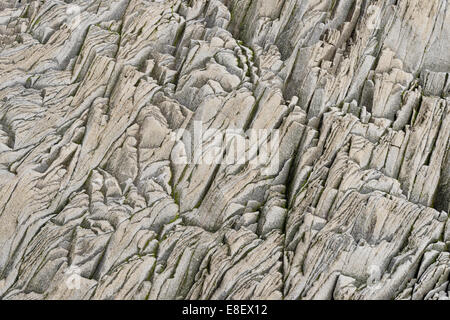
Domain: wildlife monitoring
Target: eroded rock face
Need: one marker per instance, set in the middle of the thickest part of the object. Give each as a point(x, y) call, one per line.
point(103, 196)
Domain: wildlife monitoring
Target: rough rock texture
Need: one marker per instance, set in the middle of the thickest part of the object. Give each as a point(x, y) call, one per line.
point(95, 205)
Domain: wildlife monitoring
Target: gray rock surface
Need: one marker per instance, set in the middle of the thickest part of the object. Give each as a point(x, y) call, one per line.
point(102, 198)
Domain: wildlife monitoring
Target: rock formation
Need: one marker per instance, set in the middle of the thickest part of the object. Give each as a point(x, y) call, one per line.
point(103, 196)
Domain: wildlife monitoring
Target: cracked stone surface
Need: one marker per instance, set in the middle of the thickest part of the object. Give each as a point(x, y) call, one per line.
point(94, 203)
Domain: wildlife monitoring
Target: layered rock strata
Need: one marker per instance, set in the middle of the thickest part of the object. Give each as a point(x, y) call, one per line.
point(102, 195)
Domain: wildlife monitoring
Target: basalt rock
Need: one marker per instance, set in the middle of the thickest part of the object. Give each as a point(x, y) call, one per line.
point(109, 191)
